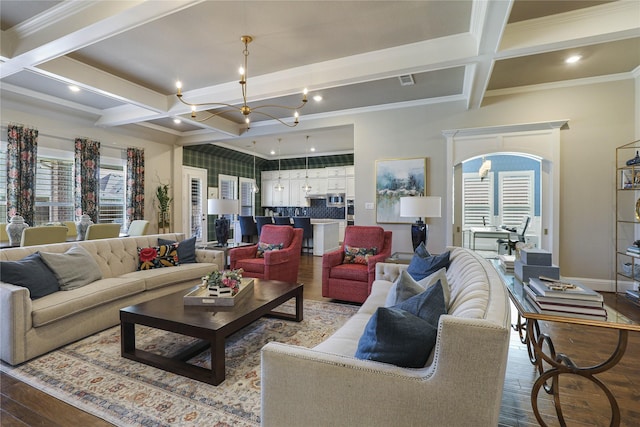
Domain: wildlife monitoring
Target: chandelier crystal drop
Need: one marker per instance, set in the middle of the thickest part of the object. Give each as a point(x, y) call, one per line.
point(243, 109)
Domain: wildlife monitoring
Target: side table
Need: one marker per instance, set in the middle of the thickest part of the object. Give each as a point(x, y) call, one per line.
point(218, 247)
point(400, 258)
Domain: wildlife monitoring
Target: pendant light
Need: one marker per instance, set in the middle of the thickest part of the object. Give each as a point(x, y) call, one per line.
point(254, 187)
point(306, 187)
point(279, 186)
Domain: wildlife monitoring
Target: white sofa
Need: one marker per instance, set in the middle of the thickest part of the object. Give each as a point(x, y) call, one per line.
point(461, 385)
point(29, 328)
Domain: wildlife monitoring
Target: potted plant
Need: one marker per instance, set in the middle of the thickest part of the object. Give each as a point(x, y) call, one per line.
point(164, 202)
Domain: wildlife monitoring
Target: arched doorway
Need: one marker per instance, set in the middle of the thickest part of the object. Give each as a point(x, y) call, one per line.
point(539, 140)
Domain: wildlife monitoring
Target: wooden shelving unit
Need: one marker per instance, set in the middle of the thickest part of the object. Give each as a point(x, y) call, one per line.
point(627, 217)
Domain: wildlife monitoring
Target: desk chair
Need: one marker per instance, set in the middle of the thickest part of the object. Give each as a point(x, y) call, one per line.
point(43, 235)
point(102, 231)
point(248, 228)
point(304, 222)
point(138, 227)
point(511, 244)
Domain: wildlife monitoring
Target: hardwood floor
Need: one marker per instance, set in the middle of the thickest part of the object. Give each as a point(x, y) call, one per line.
point(584, 405)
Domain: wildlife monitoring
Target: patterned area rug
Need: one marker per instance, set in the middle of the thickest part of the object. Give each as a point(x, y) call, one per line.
point(91, 375)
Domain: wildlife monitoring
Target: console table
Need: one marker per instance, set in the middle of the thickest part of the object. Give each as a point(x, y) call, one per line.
point(485, 232)
point(541, 350)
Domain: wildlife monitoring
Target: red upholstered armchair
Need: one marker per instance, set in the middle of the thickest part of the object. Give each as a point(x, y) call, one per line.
point(281, 264)
point(352, 281)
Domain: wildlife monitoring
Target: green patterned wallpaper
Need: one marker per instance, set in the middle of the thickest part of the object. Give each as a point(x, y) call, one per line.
point(219, 160)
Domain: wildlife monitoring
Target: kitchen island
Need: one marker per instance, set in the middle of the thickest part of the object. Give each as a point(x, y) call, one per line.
point(325, 235)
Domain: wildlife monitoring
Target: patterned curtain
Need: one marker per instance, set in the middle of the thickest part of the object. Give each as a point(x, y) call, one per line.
point(87, 174)
point(22, 149)
point(135, 184)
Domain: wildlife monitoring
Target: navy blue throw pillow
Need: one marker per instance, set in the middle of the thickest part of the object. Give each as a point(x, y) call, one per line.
point(32, 273)
point(186, 249)
point(405, 334)
point(419, 267)
point(422, 251)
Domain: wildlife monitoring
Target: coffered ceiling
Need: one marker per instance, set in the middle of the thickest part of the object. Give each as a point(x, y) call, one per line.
point(125, 56)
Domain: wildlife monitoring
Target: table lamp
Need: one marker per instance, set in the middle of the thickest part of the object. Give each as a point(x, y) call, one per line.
point(222, 207)
point(421, 207)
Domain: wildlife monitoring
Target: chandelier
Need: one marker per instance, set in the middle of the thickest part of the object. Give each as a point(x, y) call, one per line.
point(306, 187)
point(244, 109)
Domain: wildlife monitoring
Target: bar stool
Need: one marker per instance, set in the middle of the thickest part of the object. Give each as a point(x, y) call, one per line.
point(248, 228)
point(304, 222)
point(262, 220)
point(282, 220)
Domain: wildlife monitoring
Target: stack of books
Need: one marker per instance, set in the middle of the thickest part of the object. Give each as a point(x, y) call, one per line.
point(506, 262)
point(561, 298)
point(633, 250)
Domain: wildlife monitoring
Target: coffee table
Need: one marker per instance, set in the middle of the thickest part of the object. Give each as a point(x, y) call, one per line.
point(210, 324)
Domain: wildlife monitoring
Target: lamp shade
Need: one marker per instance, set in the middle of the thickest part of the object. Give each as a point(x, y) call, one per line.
point(426, 207)
point(222, 206)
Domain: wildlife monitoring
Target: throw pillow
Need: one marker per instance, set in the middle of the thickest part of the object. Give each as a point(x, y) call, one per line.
point(422, 251)
point(353, 255)
point(394, 336)
point(266, 247)
point(405, 334)
point(419, 267)
point(158, 257)
point(31, 273)
point(74, 268)
point(186, 249)
point(405, 287)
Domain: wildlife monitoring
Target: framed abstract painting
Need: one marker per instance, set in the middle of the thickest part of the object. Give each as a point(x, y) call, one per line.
point(397, 178)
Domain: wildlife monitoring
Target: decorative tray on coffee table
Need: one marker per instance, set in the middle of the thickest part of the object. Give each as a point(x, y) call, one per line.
point(201, 296)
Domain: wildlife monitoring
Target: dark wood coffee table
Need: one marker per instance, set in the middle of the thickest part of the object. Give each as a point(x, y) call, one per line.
point(211, 324)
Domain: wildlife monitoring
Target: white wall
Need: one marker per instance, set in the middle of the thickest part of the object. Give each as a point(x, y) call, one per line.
point(601, 117)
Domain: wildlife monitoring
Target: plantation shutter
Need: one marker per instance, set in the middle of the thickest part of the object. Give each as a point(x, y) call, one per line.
point(477, 200)
point(516, 197)
point(54, 191)
point(246, 196)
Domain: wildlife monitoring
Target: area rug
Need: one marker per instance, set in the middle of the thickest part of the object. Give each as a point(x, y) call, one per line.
point(91, 375)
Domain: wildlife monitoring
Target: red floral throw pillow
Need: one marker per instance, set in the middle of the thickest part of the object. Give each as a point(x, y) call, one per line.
point(158, 257)
point(266, 247)
point(353, 255)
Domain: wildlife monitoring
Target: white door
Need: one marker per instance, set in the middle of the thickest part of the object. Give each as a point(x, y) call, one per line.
point(195, 203)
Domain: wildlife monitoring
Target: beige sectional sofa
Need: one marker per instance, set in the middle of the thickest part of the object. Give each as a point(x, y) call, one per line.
point(29, 328)
point(461, 385)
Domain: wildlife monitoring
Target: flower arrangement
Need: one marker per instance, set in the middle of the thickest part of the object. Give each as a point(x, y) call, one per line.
point(225, 282)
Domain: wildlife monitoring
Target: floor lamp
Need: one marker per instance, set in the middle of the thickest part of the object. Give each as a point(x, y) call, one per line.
point(222, 207)
point(421, 207)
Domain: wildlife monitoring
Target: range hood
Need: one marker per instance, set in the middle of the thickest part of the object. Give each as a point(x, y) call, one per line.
point(316, 196)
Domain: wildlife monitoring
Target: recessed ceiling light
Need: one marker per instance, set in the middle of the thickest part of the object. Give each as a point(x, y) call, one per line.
point(317, 98)
point(177, 121)
point(74, 88)
point(272, 152)
point(573, 59)
point(313, 149)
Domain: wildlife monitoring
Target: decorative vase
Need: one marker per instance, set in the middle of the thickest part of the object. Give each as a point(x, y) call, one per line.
point(82, 225)
point(14, 230)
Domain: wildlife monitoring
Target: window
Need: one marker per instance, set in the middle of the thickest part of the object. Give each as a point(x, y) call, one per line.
point(111, 204)
point(247, 197)
point(477, 200)
point(54, 190)
point(516, 197)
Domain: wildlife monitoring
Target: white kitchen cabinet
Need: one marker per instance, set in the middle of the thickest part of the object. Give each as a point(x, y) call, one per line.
point(297, 196)
point(333, 172)
point(350, 170)
point(338, 184)
point(351, 187)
